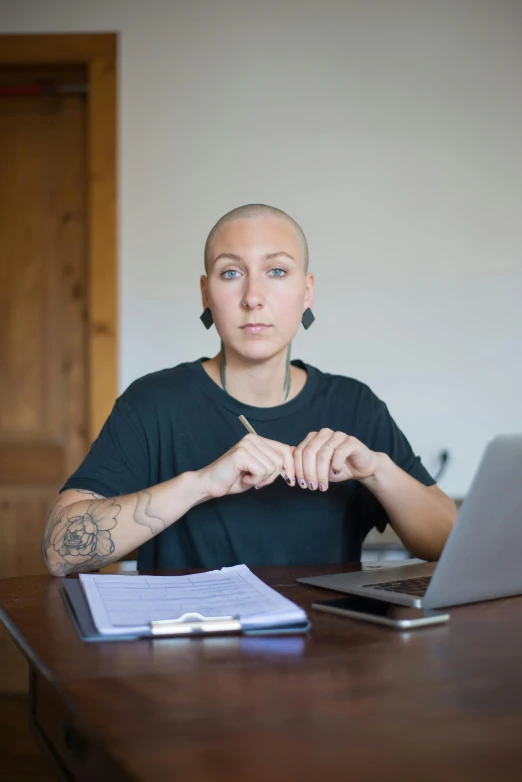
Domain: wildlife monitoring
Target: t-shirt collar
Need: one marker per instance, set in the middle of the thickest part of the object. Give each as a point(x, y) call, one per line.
point(252, 413)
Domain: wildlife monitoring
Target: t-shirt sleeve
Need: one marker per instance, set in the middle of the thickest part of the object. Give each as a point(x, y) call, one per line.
point(379, 432)
point(118, 461)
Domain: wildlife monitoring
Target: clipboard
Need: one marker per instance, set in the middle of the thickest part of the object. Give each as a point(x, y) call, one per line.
point(189, 625)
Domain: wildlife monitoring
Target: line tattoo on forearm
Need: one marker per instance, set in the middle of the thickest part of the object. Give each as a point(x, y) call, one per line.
point(143, 514)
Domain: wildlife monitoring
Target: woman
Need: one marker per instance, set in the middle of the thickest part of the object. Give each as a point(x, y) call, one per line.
point(174, 473)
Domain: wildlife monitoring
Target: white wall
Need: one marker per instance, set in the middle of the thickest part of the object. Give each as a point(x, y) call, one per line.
point(390, 129)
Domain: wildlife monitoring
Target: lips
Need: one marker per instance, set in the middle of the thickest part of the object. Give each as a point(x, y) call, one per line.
point(255, 328)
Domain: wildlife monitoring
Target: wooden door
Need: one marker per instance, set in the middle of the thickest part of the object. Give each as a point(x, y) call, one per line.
point(43, 315)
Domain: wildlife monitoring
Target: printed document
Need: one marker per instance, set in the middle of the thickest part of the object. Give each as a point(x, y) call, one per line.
point(125, 605)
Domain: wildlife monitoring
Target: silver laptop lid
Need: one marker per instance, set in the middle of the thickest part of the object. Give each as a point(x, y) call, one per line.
point(483, 556)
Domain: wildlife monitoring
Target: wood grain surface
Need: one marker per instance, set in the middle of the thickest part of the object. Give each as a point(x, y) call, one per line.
point(347, 700)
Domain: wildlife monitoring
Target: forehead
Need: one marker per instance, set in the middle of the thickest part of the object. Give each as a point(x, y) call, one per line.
point(261, 235)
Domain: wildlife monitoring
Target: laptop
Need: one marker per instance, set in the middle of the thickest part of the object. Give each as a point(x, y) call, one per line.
point(482, 558)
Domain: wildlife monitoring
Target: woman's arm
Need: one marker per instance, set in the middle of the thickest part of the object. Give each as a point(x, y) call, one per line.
point(86, 531)
point(422, 516)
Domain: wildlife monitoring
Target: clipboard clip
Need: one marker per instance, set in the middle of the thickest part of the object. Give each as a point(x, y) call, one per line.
point(195, 624)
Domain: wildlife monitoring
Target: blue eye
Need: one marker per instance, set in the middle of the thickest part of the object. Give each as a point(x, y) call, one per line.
point(282, 274)
point(229, 271)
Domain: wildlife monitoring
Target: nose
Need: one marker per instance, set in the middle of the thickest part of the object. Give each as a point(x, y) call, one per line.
point(252, 295)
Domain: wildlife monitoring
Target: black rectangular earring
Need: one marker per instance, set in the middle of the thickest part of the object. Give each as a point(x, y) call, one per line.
point(207, 318)
point(308, 318)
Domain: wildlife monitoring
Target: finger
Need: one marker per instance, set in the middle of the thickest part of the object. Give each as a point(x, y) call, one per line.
point(255, 469)
point(278, 453)
point(269, 480)
point(349, 447)
point(275, 456)
point(286, 452)
point(263, 455)
point(310, 452)
point(298, 460)
point(324, 458)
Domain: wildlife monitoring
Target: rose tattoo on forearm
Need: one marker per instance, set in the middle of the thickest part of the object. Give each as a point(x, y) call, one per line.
point(76, 541)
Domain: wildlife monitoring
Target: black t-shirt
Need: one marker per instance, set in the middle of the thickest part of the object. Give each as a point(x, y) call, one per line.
point(179, 419)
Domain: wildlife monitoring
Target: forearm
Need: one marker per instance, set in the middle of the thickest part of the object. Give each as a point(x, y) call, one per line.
point(91, 533)
point(422, 517)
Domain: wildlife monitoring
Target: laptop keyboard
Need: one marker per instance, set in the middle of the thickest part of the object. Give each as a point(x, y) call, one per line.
point(410, 586)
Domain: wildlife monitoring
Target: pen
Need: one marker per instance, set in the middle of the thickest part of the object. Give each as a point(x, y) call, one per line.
point(251, 429)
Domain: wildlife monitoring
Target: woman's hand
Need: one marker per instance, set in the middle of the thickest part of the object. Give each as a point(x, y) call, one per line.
point(330, 457)
point(253, 461)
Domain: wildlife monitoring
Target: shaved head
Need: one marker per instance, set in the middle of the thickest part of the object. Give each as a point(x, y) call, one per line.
point(251, 211)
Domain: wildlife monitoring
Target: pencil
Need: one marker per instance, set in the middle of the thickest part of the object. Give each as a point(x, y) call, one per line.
point(251, 429)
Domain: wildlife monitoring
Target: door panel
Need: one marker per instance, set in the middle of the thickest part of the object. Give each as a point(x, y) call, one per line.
point(43, 320)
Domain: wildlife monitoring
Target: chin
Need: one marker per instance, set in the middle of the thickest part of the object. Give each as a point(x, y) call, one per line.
point(257, 350)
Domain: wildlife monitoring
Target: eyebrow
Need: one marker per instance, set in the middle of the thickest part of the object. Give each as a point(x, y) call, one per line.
point(228, 256)
point(277, 255)
point(269, 257)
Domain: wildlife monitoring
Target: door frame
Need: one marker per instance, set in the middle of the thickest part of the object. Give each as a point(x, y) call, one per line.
point(99, 53)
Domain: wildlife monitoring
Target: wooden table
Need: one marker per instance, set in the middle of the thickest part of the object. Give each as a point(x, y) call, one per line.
point(347, 701)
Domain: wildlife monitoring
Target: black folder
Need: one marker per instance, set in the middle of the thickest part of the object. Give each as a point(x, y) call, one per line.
point(78, 608)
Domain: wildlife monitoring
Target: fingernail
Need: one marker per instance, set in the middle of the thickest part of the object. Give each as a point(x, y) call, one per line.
point(312, 485)
point(336, 472)
point(291, 481)
point(302, 484)
point(322, 487)
point(258, 487)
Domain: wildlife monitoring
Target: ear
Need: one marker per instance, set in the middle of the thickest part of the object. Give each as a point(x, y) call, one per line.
point(309, 291)
point(203, 285)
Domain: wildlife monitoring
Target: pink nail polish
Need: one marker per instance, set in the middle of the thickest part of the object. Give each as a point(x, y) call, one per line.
point(322, 487)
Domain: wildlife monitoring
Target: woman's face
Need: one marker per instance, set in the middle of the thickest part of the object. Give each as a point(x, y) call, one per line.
point(257, 288)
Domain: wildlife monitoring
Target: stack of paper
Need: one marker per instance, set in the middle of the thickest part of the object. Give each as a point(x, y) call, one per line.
point(126, 605)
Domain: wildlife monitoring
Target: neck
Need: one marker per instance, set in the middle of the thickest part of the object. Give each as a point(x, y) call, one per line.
point(265, 384)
